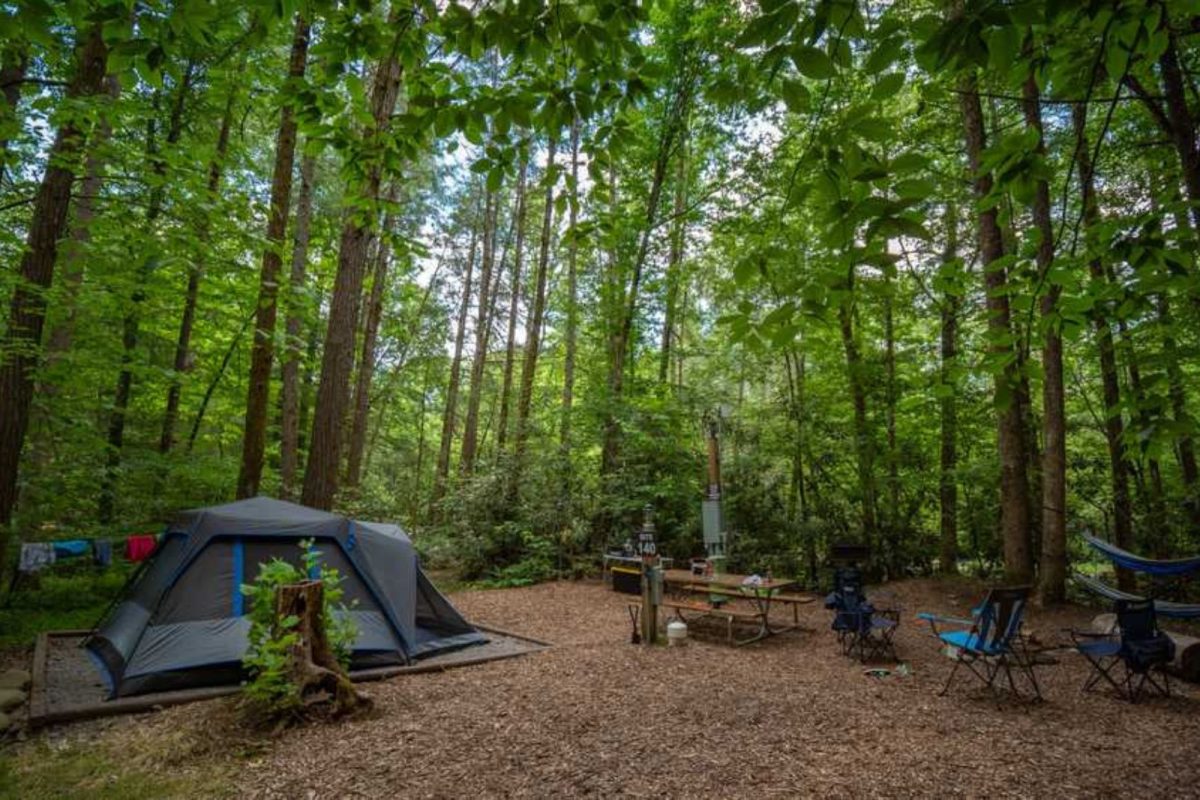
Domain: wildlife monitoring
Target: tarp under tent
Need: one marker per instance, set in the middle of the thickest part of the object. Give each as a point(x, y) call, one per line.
point(182, 622)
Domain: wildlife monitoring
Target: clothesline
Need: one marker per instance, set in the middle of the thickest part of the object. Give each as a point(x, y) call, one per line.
point(36, 556)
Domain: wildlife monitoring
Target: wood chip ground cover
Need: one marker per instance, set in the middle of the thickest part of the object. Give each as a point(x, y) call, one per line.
point(788, 717)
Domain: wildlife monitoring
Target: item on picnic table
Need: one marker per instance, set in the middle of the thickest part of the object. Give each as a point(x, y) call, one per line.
point(752, 580)
point(140, 546)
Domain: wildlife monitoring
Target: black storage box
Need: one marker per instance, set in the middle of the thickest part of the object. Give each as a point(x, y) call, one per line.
point(627, 580)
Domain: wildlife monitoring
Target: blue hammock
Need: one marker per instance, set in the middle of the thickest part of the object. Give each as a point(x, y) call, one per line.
point(1123, 558)
point(1161, 607)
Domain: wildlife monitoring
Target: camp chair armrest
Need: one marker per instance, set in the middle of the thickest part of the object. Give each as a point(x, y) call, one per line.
point(934, 620)
point(950, 620)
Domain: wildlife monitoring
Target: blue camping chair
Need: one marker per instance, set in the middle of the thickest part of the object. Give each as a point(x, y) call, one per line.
point(1140, 647)
point(863, 631)
point(990, 642)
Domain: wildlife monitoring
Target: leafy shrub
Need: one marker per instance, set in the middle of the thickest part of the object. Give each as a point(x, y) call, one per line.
point(536, 564)
point(270, 688)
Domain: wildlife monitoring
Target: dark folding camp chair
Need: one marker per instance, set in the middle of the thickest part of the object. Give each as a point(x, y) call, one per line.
point(863, 631)
point(990, 643)
point(1140, 647)
point(845, 580)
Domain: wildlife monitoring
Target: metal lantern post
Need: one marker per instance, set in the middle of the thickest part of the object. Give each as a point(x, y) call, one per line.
point(711, 516)
point(651, 577)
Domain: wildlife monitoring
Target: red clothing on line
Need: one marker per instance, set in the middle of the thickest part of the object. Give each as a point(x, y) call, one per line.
point(139, 548)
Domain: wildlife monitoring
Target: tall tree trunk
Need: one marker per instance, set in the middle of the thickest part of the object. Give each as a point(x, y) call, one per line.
point(308, 385)
point(674, 264)
point(1176, 120)
point(262, 353)
point(1014, 488)
point(215, 382)
point(1155, 493)
point(413, 326)
point(75, 255)
point(131, 325)
point(863, 445)
point(1182, 123)
point(895, 523)
point(533, 327)
point(799, 511)
point(510, 349)
point(571, 334)
point(619, 340)
point(191, 295)
point(366, 363)
point(449, 415)
point(23, 334)
point(1114, 428)
point(483, 330)
point(289, 433)
point(1185, 450)
point(1053, 568)
point(948, 481)
point(13, 63)
point(418, 471)
point(337, 360)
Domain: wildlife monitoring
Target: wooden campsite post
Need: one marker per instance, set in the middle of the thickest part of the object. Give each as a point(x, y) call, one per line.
point(651, 577)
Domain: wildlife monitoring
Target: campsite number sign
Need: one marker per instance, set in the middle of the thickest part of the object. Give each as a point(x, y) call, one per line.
point(646, 545)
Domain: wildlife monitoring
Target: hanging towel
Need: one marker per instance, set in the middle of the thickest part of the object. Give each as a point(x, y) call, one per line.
point(35, 556)
point(69, 548)
point(139, 548)
point(102, 552)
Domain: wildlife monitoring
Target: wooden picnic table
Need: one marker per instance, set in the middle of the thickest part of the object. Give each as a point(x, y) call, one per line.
point(732, 586)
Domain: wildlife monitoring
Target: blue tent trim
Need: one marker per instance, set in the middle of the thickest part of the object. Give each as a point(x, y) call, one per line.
point(1123, 558)
point(1163, 608)
point(239, 601)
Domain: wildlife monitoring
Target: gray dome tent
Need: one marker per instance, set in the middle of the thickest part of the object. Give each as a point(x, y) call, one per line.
point(182, 622)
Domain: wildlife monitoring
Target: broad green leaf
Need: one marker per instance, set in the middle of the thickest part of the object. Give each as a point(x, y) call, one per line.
point(887, 86)
point(795, 96)
point(917, 188)
point(811, 62)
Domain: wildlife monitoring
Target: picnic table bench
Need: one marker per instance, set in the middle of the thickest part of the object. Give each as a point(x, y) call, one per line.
point(760, 596)
point(786, 598)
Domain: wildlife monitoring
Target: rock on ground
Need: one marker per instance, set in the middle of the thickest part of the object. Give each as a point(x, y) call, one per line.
point(14, 679)
point(11, 698)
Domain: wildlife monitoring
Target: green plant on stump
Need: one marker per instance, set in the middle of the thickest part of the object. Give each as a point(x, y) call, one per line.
point(300, 642)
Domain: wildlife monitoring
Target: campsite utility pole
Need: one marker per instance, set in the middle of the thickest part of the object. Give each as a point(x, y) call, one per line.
point(711, 517)
point(651, 577)
point(714, 460)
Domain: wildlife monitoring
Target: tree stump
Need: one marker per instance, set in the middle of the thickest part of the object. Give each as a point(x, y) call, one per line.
point(313, 667)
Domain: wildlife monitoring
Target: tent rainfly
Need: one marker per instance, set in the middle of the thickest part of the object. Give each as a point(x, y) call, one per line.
point(182, 623)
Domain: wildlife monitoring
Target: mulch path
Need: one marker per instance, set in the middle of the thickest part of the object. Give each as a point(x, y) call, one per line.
point(787, 717)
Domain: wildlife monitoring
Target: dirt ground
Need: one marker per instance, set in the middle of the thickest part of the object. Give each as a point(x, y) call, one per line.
point(788, 717)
